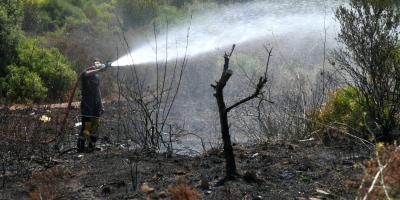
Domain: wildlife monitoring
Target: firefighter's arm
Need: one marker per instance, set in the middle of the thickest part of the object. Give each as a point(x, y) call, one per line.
point(93, 71)
point(97, 68)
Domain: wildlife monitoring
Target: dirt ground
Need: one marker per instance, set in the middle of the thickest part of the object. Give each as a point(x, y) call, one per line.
point(270, 171)
point(281, 170)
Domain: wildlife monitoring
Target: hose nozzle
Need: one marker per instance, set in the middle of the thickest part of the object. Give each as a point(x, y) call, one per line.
point(108, 64)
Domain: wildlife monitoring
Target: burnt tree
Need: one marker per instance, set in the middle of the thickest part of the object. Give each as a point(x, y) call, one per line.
point(223, 110)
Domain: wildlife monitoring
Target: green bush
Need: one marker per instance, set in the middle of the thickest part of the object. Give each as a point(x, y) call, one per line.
point(171, 14)
point(10, 15)
point(137, 13)
point(142, 13)
point(63, 16)
point(368, 36)
point(52, 67)
point(100, 15)
point(22, 85)
point(59, 14)
point(344, 109)
point(38, 74)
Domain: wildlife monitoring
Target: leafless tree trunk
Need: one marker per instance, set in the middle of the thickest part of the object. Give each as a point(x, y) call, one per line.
point(223, 110)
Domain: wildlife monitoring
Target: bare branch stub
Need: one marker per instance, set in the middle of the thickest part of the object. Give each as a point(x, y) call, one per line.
point(261, 82)
point(269, 51)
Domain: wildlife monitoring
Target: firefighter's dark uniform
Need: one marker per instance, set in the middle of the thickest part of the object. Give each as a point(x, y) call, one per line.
point(91, 109)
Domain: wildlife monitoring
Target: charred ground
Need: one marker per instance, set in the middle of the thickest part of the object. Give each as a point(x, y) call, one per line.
point(279, 170)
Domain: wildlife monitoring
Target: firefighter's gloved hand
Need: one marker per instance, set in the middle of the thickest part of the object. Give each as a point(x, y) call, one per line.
point(100, 65)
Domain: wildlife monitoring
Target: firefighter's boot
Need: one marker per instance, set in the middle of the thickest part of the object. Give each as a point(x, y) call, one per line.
point(92, 143)
point(81, 144)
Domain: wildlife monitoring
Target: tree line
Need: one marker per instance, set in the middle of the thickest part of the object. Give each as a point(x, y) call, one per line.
point(45, 43)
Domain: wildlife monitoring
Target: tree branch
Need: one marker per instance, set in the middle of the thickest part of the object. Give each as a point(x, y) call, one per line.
point(260, 85)
point(261, 82)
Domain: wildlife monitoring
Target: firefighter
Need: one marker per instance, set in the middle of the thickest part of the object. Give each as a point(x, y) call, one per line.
point(91, 106)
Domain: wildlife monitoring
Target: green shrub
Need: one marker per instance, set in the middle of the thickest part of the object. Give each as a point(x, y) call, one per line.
point(22, 85)
point(10, 15)
point(137, 13)
point(368, 36)
point(52, 67)
point(100, 15)
point(344, 110)
point(63, 16)
point(171, 14)
point(59, 14)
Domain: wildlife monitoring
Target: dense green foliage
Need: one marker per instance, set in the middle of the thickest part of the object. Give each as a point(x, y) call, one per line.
point(30, 72)
point(130, 8)
point(98, 15)
point(10, 15)
point(343, 109)
point(60, 15)
point(49, 64)
point(47, 74)
point(22, 85)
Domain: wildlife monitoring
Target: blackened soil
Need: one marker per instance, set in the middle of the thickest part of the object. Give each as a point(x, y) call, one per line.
point(268, 171)
point(283, 170)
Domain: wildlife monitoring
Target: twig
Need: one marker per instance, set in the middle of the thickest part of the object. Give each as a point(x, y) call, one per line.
point(382, 175)
point(260, 85)
point(374, 182)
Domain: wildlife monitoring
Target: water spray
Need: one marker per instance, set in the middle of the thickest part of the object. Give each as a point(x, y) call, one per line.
point(236, 23)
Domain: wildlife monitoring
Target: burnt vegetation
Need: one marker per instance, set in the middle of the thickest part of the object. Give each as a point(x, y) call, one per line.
point(330, 133)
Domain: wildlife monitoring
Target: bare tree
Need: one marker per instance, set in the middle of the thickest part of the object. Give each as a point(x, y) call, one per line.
point(369, 32)
point(223, 110)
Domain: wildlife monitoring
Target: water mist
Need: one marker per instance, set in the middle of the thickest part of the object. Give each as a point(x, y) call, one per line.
point(236, 23)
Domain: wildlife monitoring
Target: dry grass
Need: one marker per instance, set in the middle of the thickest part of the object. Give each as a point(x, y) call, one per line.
point(183, 191)
point(47, 184)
